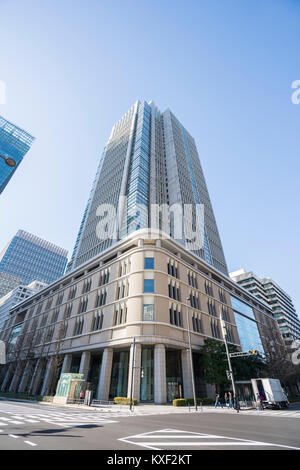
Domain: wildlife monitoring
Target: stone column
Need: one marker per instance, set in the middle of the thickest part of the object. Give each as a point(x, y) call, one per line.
point(136, 373)
point(48, 377)
point(66, 364)
point(85, 364)
point(16, 378)
point(36, 377)
point(160, 378)
point(7, 377)
point(25, 377)
point(105, 374)
point(186, 374)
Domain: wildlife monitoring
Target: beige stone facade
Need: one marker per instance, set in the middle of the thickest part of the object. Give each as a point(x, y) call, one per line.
point(86, 323)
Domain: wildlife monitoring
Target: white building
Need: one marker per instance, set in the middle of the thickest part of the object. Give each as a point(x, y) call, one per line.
point(272, 294)
point(15, 296)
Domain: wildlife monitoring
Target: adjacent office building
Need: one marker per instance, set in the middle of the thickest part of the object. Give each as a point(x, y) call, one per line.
point(27, 258)
point(14, 143)
point(17, 295)
point(133, 293)
point(272, 294)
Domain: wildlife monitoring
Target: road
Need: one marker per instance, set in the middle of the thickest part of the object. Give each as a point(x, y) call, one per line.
point(33, 426)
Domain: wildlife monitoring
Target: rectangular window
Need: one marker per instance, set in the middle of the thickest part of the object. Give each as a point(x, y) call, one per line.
point(148, 312)
point(149, 285)
point(149, 263)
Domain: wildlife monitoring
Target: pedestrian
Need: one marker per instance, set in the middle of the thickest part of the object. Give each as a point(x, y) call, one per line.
point(81, 395)
point(217, 402)
point(226, 400)
point(230, 399)
point(237, 404)
point(259, 402)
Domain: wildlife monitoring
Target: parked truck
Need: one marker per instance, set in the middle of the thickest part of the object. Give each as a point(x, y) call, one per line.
point(271, 393)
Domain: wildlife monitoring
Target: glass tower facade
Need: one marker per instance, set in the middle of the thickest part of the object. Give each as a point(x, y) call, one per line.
point(28, 258)
point(14, 143)
point(150, 163)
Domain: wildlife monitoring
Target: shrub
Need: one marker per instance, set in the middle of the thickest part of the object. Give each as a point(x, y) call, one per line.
point(190, 401)
point(124, 401)
point(179, 402)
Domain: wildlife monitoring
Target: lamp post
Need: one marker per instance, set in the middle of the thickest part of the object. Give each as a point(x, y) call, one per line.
point(191, 355)
point(9, 161)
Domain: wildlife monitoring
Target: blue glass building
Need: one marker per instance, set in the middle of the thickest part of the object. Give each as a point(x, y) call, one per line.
point(27, 258)
point(14, 143)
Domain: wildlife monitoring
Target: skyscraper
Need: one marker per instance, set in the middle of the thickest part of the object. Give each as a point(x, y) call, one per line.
point(137, 283)
point(150, 163)
point(27, 258)
point(14, 143)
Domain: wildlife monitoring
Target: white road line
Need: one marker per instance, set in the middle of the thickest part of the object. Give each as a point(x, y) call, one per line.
point(165, 434)
point(209, 443)
point(12, 435)
point(30, 443)
point(15, 422)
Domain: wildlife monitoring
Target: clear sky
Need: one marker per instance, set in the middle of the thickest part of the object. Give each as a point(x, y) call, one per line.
point(72, 68)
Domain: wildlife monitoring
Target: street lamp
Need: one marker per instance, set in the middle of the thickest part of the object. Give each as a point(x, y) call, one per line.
point(9, 161)
point(191, 355)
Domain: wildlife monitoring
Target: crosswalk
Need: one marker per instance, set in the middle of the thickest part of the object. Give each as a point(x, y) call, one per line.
point(177, 439)
point(21, 416)
point(263, 413)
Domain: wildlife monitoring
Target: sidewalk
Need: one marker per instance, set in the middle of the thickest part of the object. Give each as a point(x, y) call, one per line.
point(141, 409)
point(149, 408)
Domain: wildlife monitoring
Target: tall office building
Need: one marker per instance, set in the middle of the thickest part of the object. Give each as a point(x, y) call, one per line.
point(140, 298)
point(27, 258)
point(272, 294)
point(14, 143)
point(150, 160)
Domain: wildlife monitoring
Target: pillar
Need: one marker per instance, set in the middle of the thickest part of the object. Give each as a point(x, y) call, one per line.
point(137, 371)
point(25, 377)
point(16, 377)
point(36, 377)
point(85, 364)
point(66, 364)
point(7, 377)
point(48, 377)
point(105, 374)
point(160, 377)
point(186, 374)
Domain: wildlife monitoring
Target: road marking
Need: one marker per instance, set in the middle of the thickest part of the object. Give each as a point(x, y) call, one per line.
point(187, 439)
point(30, 443)
point(12, 435)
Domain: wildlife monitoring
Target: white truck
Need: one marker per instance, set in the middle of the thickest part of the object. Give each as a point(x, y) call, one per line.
point(271, 393)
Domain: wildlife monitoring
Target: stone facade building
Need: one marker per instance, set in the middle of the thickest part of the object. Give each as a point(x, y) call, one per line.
point(86, 323)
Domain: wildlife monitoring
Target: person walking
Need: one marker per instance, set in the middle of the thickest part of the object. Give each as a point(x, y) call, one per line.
point(226, 400)
point(217, 402)
point(259, 402)
point(237, 404)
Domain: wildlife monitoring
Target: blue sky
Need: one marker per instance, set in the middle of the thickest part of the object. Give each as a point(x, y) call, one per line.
point(224, 67)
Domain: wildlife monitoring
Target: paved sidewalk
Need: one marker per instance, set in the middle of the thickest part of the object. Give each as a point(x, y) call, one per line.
point(141, 409)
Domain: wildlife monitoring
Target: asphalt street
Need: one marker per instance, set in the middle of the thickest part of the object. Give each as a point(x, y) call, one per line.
point(32, 426)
